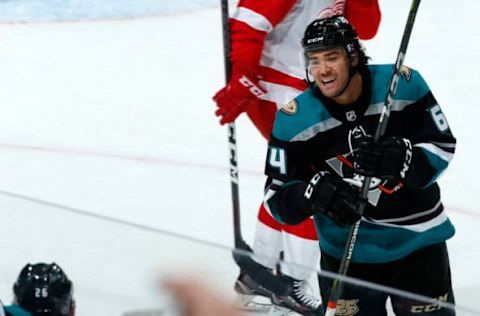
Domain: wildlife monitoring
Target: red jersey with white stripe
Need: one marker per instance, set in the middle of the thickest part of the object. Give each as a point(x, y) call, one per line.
point(266, 38)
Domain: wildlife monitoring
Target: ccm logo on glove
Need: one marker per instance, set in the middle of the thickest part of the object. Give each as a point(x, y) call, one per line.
point(408, 157)
point(311, 185)
point(255, 90)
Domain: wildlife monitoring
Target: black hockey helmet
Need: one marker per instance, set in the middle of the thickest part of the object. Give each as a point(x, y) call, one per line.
point(44, 289)
point(330, 32)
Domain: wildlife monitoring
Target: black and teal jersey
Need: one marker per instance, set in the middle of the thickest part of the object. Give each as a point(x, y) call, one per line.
point(312, 134)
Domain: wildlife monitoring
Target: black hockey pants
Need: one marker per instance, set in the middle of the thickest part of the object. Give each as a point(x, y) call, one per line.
point(425, 272)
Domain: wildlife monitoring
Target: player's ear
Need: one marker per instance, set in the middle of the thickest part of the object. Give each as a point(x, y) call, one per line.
point(354, 59)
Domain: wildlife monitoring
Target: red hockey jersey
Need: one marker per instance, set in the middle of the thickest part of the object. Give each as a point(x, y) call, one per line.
point(266, 38)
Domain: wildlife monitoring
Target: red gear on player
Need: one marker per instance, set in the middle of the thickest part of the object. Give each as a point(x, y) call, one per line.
point(241, 92)
point(249, 28)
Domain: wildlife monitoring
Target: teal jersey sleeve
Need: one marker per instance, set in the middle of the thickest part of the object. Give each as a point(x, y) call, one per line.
point(428, 128)
point(423, 122)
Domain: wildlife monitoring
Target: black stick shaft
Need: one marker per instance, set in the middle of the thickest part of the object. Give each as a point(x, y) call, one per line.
point(337, 286)
point(232, 140)
point(241, 257)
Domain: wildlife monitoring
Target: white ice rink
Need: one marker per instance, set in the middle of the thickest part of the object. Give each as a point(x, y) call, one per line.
point(114, 117)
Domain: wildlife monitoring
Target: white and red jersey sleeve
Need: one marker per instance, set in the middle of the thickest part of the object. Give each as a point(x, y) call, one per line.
point(252, 21)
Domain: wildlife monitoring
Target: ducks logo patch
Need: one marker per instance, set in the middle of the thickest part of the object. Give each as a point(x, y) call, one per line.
point(290, 108)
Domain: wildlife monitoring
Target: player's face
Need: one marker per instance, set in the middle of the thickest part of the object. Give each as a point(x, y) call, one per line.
point(330, 68)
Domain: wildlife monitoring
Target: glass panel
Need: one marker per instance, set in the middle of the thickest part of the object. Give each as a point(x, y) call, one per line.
point(117, 266)
point(105, 121)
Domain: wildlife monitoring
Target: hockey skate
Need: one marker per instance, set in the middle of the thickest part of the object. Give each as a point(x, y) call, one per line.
point(300, 300)
point(252, 296)
point(255, 299)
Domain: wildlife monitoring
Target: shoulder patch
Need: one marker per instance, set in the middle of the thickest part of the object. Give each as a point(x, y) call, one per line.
point(290, 108)
point(406, 72)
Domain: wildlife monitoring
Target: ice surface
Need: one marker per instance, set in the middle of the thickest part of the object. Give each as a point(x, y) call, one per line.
point(76, 10)
point(116, 118)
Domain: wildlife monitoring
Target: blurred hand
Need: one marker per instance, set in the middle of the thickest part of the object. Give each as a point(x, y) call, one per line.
point(196, 298)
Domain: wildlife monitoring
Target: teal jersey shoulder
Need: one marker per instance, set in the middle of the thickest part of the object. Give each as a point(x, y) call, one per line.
point(411, 86)
point(301, 114)
point(15, 310)
point(306, 115)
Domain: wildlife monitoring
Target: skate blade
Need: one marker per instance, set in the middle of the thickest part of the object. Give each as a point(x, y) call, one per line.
point(281, 311)
point(253, 304)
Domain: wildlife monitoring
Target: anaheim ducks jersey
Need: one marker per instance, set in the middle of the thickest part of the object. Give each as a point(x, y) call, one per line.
point(312, 134)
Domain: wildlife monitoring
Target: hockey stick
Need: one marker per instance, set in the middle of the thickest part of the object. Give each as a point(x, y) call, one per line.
point(242, 251)
point(232, 139)
point(337, 286)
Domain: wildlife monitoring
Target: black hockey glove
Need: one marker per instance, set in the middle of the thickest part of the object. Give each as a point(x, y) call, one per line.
point(337, 199)
point(388, 158)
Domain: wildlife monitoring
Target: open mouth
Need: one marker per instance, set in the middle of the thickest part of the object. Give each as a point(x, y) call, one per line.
point(328, 81)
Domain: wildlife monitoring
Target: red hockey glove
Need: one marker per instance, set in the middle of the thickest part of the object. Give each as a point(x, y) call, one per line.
point(241, 92)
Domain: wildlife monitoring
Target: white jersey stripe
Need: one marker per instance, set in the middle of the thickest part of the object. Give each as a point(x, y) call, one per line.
point(410, 217)
point(437, 151)
point(253, 19)
point(278, 93)
point(277, 182)
point(445, 145)
point(397, 105)
point(315, 129)
point(421, 227)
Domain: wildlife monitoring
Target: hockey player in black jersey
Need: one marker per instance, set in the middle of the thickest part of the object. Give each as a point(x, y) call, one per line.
point(41, 290)
point(321, 148)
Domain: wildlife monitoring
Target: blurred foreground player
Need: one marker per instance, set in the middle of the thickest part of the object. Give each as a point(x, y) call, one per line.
point(41, 289)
